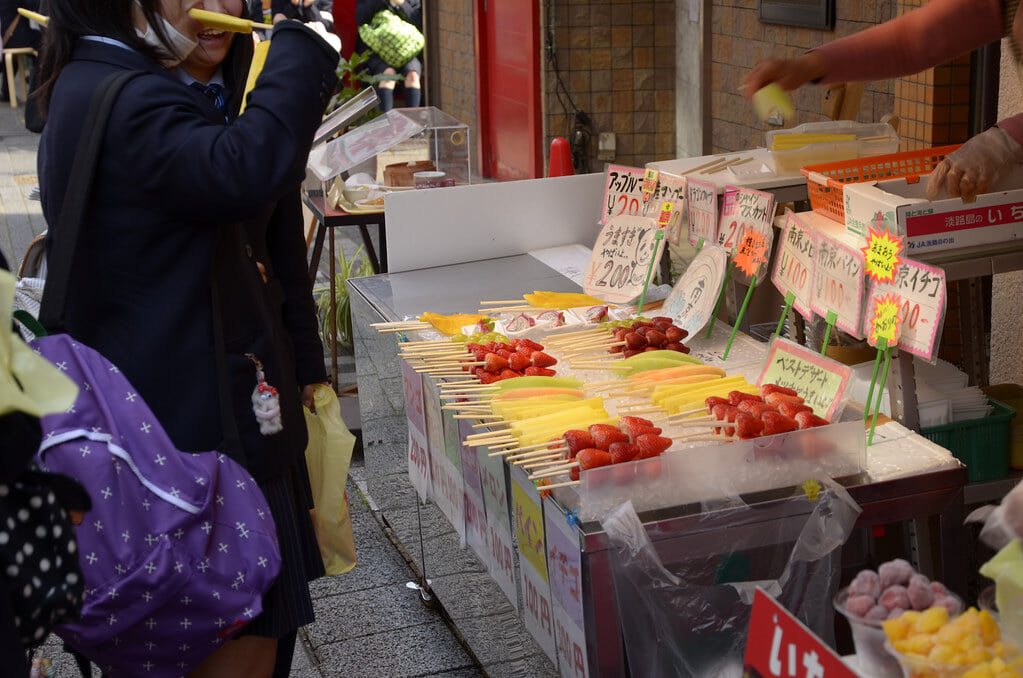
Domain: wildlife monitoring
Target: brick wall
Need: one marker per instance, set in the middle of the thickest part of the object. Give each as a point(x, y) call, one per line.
point(739, 41)
point(616, 63)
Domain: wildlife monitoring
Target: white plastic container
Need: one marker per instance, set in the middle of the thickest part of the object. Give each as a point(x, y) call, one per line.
point(871, 139)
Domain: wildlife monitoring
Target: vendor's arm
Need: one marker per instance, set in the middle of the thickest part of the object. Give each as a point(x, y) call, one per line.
point(938, 31)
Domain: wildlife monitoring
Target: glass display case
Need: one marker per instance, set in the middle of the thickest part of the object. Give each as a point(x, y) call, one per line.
point(390, 149)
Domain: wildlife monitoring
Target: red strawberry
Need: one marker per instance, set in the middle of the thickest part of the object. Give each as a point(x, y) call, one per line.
point(487, 377)
point(495, 346)
point(652, 446)
point(524, 350)
point(715, 400)
point(637, 430)
point(531, 344)
point(574, 473)
point(725, 413)
point(509, 374)
point(603, 438)
point(538, 372)
point(776, 398)
point(809, 420)
point(776, 422)
point(593, 428)
point(541, 359)
point(628, 420)
point(675, 334)
point(577, 440)
point(504, 353)
point(767, 389)
point(792, 409)
point(622, 452)
point(755, 408)
point(517, 361)
point(479, 352)
point(592, 458)
point(736, 397)
point(748, 425)
point(494, 363)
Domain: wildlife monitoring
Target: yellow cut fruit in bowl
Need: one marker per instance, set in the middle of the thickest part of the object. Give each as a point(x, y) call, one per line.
point(931, 620)
point(770, 98)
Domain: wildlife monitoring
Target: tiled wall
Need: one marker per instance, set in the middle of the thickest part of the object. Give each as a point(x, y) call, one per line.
point(616, 63)
point(739, 41)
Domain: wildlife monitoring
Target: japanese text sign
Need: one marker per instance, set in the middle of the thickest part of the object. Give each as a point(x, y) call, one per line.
point(921, 290)
point(672, 188)
point(702, 208)
point(623, 192)
point(881, 255)
point(838, 283)
point(752, 252)
point(743, 209)
point(418, 448)
point(649, 183)
point(528, 520)
point(779, 646)
point(884, 320)
point(793, 268)
point(621, 258)
point(820, 381)
point(691, 301)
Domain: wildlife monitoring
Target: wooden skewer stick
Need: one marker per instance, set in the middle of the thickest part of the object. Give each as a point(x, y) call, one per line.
point(466, 408)
point(485, 443)
point(699, 421)
point(715, 437)
point(525, 448)
point(683, 415)
point(651, 409)
point(701, 168)
point(543, 464)
point(729, 165)
point(567, 483)
point(471, 415)
point(556, 470)
point(538, 461)
point(501, 422)
point(508, 309)
point(604, 366)
point(569, 337)
point(538, 453)
point(501, 303)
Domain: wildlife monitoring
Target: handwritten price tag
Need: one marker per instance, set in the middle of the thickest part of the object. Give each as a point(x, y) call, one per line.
point(778, 644)
point(752, 251)
point(793, 268)
point(743, 209)
point(881, 255)
point(649, 183)
point(691, 301)
point(703, 211)
point(672, 188)
point(921, 290)
point(623, 192)
point(621, 257)
point(820, 381)
point(838, 283)
point(884, 320)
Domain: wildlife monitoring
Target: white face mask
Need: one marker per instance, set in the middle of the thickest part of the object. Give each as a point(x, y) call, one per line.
point(181, 44)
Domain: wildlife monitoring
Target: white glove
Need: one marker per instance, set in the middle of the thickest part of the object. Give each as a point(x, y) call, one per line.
point(976, 166)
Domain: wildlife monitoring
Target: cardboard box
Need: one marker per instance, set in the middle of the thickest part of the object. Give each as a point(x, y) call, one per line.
point(943, 224)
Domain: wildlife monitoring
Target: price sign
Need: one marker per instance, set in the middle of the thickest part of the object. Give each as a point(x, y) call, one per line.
point(623, 192)
point(884, 320)
point(778, 645)
point(752, 252)
point(881, 255)
point(412, 382)
point(691, 301)
point(649, 183)
point(418, 451)
point(921, 290)
point(702, 207)
point(536, 590)
point(742, 209)
point(838, 283)
point(820, 381)
point(564, 565)
point(671, 188)
point(475, 513)
point(793, 267)
point(621, 258)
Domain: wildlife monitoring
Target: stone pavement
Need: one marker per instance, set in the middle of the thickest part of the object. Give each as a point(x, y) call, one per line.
point(368, 623)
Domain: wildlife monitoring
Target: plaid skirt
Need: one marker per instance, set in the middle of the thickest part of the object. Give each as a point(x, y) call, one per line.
point(287, 605)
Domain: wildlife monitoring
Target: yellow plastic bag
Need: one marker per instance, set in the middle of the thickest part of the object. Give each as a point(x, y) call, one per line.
point(327, 457)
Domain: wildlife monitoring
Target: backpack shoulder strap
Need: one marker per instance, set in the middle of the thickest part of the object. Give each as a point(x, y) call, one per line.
point(76, 197)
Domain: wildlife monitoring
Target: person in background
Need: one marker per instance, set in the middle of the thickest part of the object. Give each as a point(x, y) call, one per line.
point(925, 37)
point(220, 240)
point(317, 14)
point(412, 72)
point(17, 31)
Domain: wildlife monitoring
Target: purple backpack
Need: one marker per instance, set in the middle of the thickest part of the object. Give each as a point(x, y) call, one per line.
point(178, 548)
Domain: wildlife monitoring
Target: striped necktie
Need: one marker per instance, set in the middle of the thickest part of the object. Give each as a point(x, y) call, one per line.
point(214, 93)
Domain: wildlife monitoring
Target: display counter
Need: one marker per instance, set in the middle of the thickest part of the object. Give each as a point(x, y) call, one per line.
point(526, 582)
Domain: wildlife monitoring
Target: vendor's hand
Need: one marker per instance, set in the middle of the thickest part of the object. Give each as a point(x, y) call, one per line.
point(790, 74)
point(976, 166)
point(304, 3)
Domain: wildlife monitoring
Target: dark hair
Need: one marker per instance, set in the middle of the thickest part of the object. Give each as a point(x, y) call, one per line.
point(72, 19)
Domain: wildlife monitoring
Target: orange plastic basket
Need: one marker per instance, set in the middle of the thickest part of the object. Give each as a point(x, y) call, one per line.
point(824, 182)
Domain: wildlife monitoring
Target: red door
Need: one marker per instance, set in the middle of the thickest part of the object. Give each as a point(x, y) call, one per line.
point(508, 88)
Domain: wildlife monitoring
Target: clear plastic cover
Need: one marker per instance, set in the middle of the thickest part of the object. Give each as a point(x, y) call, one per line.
point(690, 617)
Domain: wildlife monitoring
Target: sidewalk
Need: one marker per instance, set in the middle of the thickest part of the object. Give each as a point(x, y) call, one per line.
point(368, 622)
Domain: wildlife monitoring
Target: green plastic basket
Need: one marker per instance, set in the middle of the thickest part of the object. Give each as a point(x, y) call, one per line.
point(982, 444)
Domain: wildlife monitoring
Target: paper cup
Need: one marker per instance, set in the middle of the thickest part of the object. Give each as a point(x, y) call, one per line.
point(428, 179)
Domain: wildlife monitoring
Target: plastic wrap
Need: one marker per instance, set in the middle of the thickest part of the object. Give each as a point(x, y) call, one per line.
point(691, 618)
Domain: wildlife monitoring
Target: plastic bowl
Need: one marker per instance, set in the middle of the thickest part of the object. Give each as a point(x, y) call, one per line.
point(870, 641)
point(915, 666)
point(355, 193)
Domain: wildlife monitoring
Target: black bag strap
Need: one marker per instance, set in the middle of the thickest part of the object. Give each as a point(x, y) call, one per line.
point(76, 198)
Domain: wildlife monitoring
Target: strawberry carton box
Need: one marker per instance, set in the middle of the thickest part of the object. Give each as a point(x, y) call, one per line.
point(934, 225)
